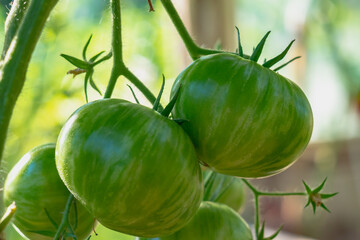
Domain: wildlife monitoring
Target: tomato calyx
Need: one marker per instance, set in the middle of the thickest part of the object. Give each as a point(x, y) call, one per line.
point(86, 66)
point(167, 110)
point(316, 198)
point(258, 50)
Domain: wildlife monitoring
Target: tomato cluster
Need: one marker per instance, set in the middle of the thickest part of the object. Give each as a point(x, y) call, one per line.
point(138, 172)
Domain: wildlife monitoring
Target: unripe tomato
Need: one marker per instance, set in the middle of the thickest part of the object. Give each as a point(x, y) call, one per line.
point(244, 119)
point(224, 189)
point(35, 186)
point(213, 221)
point(135, 170)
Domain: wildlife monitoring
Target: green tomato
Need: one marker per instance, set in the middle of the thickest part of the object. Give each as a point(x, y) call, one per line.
point(224, 189)
point(244, 120)
point(213, 221)
point(36, 188)
point(135, 170)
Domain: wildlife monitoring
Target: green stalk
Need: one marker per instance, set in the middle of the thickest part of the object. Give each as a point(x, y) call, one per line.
point(65, 219)
point(257, 195)
point(194, 50)
point(13, 21)
point(119, 68)
point(17, 58)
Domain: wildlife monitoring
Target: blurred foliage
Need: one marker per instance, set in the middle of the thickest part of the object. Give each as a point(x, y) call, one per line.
point(327, 33)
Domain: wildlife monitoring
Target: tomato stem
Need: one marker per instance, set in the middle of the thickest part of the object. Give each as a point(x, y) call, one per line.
point(119, 67)
point(257, 195)
point(6, 218)
point(65, 219)
point(193, 49)
point(26, 27)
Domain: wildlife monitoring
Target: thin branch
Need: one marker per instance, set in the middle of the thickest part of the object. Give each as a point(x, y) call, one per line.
point(65, 219)
point(119, 68)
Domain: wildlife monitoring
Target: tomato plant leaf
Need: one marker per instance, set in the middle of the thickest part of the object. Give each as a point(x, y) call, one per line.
point(157, 101)
point(75, 61)
point(258, 50)
point(86, 47)
point(279, 57)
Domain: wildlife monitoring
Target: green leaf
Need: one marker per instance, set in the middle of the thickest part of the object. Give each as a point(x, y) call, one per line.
point(258, 50)
point(86, 47)
point(157, 101)
point(167, 110)
point(240, 49)
point(75, 61)
point(278, 58)
point(285, 64)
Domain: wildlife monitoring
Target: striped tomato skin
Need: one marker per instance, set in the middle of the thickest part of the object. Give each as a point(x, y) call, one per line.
point(35, 186)
point(244, 120)
point(212, 221)
point(131, 167)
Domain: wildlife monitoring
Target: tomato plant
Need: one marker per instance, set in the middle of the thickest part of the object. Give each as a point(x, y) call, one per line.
point(135, 170)
point(41, 197)
point(244, 119)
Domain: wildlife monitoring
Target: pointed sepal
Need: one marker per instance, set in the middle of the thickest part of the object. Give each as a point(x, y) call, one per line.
point(279, 57)
point(157, 101)
point(285, 64)
point(75, 61)
point(167, 110)
point(86, 47)
point(133, 93)
point(240, 49)
point(258, 50)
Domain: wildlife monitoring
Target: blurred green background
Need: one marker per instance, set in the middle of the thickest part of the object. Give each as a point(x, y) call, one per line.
point(327, 37)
